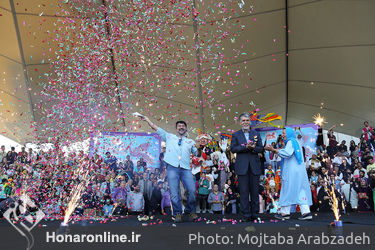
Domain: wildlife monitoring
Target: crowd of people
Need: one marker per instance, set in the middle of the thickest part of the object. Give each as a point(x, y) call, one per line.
point(132, 187)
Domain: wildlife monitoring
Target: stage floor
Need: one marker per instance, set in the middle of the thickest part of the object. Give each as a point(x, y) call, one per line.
point(207, 219)
point(162, 233)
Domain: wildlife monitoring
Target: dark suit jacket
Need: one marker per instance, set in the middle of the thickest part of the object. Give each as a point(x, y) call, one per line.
point(247, 159)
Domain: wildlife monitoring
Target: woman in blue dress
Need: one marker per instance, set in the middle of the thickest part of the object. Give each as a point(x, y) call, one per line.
point(295, 188)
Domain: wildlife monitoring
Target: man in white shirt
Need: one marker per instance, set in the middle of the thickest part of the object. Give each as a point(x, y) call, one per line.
point(314, 163)
point(177, 159)
point(338, 159)
point(350, 194)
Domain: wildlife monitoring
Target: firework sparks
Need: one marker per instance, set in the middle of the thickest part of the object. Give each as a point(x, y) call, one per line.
point(319, 120)
point(333, 201)
point(77, 192)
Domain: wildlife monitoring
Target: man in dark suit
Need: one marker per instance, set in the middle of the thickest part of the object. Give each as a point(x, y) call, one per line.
point(246, 143)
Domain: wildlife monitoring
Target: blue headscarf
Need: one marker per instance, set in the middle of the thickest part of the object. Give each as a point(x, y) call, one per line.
point(291, 136)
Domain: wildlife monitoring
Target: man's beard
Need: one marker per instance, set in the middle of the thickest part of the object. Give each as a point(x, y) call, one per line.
point(246, 127)
point(181, 131)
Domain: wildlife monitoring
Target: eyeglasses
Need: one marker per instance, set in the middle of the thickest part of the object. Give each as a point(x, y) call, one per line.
point(180, 142)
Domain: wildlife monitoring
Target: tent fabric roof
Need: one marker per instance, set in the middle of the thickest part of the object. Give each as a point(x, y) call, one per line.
point(328, 68)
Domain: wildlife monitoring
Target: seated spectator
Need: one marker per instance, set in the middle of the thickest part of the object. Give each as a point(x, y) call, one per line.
point(314, 163)
point(344, 166)
point(323, 198)
point(367, 155)
point(338, 173)
point(135, 201)
point(343, 147)
point(327, 165)
point(356, 172)
point(324, 172)
point(352, 146)
point(314, 178)
point(365, 203)
point(337, 161)
point(334, 181)
point(216, 199)
point(319, 155)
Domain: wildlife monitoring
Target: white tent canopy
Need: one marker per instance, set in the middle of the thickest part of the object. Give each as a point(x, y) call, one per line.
point(324, 65)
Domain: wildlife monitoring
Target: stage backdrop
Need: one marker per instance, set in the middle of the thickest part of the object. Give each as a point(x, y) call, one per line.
point(308, 140)
point(121, 144)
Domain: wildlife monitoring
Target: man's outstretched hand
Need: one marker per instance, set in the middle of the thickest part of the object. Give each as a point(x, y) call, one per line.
point(146, 119)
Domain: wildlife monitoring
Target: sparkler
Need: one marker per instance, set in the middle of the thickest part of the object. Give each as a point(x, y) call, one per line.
point(333, 201)
point(319, 120)
point(76, 193)
point(113, 210)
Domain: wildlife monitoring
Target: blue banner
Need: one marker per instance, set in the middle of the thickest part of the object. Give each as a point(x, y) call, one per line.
point(121, 144)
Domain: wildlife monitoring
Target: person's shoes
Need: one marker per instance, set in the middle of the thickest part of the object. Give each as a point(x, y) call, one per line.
point(282, 217)
point(178, 218)
point(193, 216)
point(252, 219)
point(307, 216)
point(257, 218)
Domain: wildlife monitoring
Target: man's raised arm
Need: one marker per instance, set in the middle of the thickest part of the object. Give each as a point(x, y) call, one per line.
point(146, 119)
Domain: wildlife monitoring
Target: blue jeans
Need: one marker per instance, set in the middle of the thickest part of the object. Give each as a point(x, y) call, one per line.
point(175, 175)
